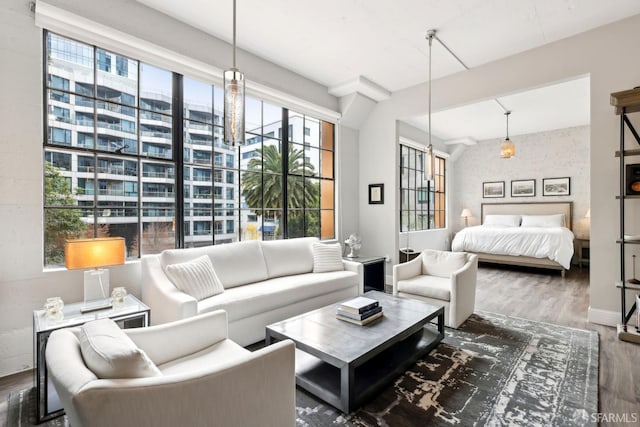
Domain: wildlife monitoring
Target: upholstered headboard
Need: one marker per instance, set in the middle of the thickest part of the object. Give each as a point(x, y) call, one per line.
point(529, 208)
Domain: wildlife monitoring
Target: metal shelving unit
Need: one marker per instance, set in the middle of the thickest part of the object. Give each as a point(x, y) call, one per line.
point(626, 102)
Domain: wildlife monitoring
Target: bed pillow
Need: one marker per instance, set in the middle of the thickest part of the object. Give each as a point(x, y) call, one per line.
point(109, 353)
point(543, 221)
point(502, 220)
point(196, 278)
point(327, 257)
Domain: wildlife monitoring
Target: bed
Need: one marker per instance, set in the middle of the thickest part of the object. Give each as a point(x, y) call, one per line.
point(524, 234)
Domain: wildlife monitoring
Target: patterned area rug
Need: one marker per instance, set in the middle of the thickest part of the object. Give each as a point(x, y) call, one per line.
point(495, 370)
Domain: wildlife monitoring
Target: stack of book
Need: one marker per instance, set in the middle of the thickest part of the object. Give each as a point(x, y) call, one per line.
point(360, 310)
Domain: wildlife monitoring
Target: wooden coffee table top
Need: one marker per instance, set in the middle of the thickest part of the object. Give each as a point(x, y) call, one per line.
point(319, 332)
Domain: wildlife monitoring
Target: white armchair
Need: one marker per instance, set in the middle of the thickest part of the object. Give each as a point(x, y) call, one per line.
point(440, 278)
point(207, 379)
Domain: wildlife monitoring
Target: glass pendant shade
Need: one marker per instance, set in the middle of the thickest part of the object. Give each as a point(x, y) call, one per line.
point(429, 164)
point(233, 107)
point(507, 149)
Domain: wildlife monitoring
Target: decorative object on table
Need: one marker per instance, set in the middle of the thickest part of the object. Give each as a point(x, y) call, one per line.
point(234, 105)
point(492, 189)
point(466, 213)
point(556, 186)
point(633, 280)
point(95, 254)
point(53, 309)
point(523, 188)
point(376, 194)
point(359, 310)
point(118, 295)
point(507, 149)
point(355, 244)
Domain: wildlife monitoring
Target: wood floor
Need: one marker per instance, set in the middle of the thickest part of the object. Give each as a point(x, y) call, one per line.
point(542, 296)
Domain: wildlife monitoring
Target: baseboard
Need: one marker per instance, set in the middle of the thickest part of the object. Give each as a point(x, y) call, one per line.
point(603, 317)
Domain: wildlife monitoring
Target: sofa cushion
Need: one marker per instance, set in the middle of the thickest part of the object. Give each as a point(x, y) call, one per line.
point(261, 297)
point(109, 353)
point(427, 286)
point(289, 256)
point(235, 263)
point(441, 263)
point(327, 257)
point(196, 277)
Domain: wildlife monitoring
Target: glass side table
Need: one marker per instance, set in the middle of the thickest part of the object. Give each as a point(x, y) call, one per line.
point(132, 313)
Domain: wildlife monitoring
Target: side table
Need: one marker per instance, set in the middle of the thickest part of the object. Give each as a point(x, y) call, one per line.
point(131, 313)
point(582, 252)
point(374, 274)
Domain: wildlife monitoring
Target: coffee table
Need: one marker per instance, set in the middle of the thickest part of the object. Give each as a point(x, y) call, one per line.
point(345, 364)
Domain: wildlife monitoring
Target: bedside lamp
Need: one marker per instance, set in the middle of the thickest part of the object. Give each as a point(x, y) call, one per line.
point(588, 214)
point(94, 254)
point(466, 213)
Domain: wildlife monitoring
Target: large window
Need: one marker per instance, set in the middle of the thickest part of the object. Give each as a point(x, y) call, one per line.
point(136, 151)
point(422, 202)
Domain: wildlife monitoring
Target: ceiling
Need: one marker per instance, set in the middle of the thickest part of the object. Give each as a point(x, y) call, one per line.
point(337, 41)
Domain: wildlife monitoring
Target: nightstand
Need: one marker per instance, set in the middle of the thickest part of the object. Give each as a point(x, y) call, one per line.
point(132, 313)
point(581, 248)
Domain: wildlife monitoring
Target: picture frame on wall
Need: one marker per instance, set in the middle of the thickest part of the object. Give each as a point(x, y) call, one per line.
point(556, 186)
point(491, 190)
point(376, 194)
point(523, 188)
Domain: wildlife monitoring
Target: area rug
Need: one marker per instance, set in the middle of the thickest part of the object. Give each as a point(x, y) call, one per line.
point(493, 371)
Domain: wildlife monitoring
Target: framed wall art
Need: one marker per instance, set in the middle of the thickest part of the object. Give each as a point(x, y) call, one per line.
point(523, 188)
point(556, 186)
point(376, 194)
point(492, 189)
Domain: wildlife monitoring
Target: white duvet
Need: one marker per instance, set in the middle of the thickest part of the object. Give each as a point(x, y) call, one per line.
point(555, 243)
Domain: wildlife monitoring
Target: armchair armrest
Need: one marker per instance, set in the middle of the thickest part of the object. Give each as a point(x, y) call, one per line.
point(405, 271)
point(167, 302)
point(240, 393)
point(167, 342)
point(463, 291)
point(356, 267)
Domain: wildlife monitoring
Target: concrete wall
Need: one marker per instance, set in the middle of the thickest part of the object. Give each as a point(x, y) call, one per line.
point(24, 285)
point(551, 154)
point(609, 54)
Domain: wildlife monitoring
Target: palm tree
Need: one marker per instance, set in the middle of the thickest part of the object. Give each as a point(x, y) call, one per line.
point(262, 185)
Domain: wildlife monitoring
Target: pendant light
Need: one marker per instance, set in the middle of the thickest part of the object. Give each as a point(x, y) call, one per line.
point(429, 157)
point(507, 149)
point(234, 98)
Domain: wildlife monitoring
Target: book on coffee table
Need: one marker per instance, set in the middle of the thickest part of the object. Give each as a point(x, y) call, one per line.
point(359, 305)
point(359, 316)
point(360, 322)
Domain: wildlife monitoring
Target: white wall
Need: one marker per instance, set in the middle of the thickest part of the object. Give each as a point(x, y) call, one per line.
point(609, 54)
point(551, 154)
point(24, 285)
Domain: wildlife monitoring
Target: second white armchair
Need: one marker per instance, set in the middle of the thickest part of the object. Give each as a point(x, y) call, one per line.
point(440, 278)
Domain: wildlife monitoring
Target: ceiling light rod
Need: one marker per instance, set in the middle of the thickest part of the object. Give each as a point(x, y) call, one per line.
point(432, 34)
point(506, 113)
point(428, 157)
point(234, 34)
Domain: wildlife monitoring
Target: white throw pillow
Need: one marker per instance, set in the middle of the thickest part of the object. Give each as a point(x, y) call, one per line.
point(109, 353)
point(327, 257)
point(441, 263)
point(543, 220)
point(196, 277)
point(502, 220)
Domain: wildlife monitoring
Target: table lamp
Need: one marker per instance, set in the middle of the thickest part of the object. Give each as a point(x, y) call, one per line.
point(466, 213)
point(94, 254)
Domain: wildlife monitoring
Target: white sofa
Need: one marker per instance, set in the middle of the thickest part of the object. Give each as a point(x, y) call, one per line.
point(440, 278)
point(264, 282)
point(206, 380)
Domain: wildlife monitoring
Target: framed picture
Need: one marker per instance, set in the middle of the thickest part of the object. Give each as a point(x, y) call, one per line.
point(492, 189)
point(556, 186)
point(376, 194)
point(523, 188)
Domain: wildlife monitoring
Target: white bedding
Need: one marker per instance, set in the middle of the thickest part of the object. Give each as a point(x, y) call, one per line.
point(555, 243)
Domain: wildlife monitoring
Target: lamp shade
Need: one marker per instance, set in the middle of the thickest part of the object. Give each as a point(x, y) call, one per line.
point(94, 253)
point(588, 214)
point(465, 213)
